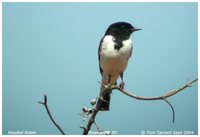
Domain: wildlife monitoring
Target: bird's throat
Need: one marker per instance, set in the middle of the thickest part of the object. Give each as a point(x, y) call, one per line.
point(118, 45)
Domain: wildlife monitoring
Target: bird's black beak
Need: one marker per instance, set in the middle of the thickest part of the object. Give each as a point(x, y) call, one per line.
point(136, 29)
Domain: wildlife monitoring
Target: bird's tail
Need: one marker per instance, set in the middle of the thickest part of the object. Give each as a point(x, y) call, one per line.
point(105, 95)
point(104, 101)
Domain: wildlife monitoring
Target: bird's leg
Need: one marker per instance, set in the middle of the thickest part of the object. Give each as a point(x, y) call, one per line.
point(109, 85)
point(109, 80)
point(101, 98)
point(121, 85)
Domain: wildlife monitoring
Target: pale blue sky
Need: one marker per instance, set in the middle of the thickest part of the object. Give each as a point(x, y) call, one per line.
point(51, 48)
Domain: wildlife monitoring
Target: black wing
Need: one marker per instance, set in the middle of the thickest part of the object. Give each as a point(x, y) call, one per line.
point(99, 50)
point(131, 50)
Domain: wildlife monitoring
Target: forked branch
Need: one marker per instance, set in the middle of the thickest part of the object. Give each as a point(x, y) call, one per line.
point(50, 116)
point(97, 107)
point(162, 97)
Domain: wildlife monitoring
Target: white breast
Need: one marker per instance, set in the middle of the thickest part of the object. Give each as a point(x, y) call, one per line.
point(112, 61)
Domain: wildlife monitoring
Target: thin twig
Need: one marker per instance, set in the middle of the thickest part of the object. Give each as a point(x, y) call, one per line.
point(172, 108)
point(97, 126)
point(168, 94)
point(50, 116)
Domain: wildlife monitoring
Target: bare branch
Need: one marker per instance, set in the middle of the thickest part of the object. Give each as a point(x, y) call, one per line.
point(163, 97)
point(90, 122)
point(97, 108)
point(49, 113)
point(92, 118)
point(168, 94)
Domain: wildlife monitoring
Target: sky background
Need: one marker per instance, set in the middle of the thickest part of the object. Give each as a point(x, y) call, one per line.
point(51, 48)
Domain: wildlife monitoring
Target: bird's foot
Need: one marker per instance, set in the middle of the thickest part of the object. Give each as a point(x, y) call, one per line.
point(102, 99)
point(121, 85)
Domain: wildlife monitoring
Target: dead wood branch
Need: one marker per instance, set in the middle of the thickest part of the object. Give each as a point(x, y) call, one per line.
point(162, 97)
point(168, 94)
point(50, 116)
point(108, 88)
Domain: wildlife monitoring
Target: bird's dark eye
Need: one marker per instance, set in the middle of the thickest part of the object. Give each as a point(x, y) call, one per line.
point(124, 27)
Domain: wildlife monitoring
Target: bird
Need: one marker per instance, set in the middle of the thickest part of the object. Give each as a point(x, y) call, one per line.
point(114, 51)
